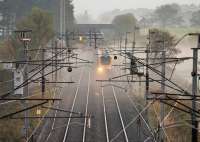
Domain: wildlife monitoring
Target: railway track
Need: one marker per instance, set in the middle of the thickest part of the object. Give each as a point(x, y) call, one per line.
point(133, 112)
point(76, 128)
point(86, 111)
point(55, 114)
point(105, 117)
point(120, 115)
point(114, 122)
point(113, 108)
point(55, 123)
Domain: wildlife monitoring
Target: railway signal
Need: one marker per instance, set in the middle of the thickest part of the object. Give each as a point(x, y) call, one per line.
point(69, 69)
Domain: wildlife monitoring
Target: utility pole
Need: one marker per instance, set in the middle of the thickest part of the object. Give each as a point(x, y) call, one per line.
point(134, 40)
point(126, 41)
point(24, 38)
point(43, 72)
point(52, 54)
point(26, 92)
point(194, 92)
point(162, 109)
point(120, 43)
point(60, 17)
point(147, 73)
point(56, 63)
point(62, 2)
point(67, 36)
point(114, 42)
point(64, 16)
point(90, 37)
point(95, 39)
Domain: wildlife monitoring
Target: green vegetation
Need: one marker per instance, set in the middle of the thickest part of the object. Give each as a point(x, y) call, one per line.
point(177, 32)
point(180, 132)
point(195, 20)
point(11, 128)
point(124, 23)
point(180, 31)
point(22, 8)
point(168, 15)
point(162, 39)
point(41, 24)
point(176, 128)
point(7, 52)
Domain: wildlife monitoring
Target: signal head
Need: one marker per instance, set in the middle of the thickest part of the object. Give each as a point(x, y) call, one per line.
point(69, 50)
point(69, 69)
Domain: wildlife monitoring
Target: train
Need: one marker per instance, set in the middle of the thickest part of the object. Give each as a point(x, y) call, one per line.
point(104, 60)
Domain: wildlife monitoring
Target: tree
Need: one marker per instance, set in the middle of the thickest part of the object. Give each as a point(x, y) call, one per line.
point(53, 6)
point(124, 23)
point(168, 15)
point(195, 20)
point(7, 52)
point(18, 7)
point(41, 23)
point(21, 8)
point(158, 39)
point(70, 20)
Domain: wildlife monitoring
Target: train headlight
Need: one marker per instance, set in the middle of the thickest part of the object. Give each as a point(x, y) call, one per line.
point(99, 69)
point(80, 38)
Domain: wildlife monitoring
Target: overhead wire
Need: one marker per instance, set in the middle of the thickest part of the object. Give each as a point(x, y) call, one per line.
point(25, 82)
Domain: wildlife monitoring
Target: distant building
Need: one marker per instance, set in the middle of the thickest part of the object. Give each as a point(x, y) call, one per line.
point(107, 30)
point(93, 27)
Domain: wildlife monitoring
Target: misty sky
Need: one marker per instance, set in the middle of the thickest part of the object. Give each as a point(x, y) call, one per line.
point(96, 7)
